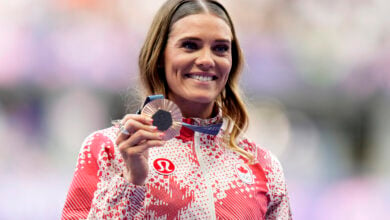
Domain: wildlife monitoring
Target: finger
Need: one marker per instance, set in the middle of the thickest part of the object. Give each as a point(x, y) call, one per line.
point(132, 126)
point(140, 149)
point(141, 136)
point(138, 138)
point(141, 118)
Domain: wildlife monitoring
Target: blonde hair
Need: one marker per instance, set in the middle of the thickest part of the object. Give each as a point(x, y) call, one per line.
point(153, 76)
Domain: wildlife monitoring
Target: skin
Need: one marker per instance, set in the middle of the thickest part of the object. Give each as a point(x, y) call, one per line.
point(203, 50)
point(197, 62)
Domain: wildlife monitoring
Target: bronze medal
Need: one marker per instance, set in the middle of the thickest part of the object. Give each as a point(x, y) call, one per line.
point(166, 116)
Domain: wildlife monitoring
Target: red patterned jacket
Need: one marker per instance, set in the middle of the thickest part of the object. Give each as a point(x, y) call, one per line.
point(192, 177)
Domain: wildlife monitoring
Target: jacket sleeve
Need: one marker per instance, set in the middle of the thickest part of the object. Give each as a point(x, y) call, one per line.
point(278, 206)
point(98, 190)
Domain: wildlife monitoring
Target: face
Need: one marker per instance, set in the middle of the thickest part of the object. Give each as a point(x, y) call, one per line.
point(197, 60)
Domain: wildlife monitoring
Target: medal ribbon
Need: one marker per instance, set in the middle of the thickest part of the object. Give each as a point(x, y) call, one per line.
point(212, 129)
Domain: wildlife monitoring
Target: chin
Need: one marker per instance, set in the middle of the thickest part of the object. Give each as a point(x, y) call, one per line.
point(204, 99)
point(198, 97)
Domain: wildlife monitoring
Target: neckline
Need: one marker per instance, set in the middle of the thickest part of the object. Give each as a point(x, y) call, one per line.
point(204, 121)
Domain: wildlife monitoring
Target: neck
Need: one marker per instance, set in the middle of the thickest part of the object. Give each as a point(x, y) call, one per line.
point(198, 111)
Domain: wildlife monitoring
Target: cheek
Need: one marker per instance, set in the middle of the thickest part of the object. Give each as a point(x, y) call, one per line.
point(172, 80)
point(178, 64)
point(226, 67)
point(174, 70)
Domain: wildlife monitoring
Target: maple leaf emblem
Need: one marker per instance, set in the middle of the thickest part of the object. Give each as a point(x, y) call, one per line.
point(242, 169)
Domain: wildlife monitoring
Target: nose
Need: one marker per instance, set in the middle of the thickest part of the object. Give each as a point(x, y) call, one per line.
point(205, 59)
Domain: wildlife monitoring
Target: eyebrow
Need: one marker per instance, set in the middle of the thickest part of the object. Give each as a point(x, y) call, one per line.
point(198, 39)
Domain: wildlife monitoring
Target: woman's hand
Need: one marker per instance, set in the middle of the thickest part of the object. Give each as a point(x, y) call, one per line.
point(135, 144)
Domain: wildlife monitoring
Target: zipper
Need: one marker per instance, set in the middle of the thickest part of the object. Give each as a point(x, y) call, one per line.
point(203, 168)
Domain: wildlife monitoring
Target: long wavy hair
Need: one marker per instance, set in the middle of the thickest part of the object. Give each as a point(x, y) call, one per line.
point(153, 75)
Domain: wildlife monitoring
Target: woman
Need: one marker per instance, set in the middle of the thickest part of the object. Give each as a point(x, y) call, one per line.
point(191, 55)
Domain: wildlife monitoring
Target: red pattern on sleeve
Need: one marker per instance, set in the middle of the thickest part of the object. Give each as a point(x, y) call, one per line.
point(85, 179)
point(98, 191)
point(278, 206)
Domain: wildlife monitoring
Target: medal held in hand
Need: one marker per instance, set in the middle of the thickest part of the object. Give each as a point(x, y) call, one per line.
point(166, 116)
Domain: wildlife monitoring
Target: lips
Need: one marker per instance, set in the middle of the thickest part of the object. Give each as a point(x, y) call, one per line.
point(201, 76)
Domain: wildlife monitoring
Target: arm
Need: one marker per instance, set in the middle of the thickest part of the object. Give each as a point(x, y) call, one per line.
point(97, 186)
point(84, 184)
point(278, 206)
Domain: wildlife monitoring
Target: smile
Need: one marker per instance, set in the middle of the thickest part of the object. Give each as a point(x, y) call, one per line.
point(202, 78)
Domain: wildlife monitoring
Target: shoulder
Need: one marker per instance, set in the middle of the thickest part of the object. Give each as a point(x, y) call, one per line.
point(97, 147)
point(272, 168)
point(98, 140)
point(105, 134)
point(261, 155)
point(268, 161)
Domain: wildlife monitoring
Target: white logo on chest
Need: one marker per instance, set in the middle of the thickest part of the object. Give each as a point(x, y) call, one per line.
point(244, 173)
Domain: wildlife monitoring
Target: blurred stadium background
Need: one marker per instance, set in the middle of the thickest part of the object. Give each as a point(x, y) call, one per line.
point(317, 81)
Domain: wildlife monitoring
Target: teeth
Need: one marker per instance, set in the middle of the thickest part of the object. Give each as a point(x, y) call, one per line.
point(201, 78)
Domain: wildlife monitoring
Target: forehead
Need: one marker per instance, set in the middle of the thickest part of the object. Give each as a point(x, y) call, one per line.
point(201, 24)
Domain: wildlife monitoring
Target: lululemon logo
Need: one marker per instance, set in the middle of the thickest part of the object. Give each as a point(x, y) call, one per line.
point(163, 166)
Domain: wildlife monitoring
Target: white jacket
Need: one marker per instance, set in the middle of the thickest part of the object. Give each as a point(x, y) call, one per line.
point(194, 176)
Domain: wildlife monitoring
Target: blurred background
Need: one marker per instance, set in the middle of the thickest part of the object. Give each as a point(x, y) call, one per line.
point(317, 83)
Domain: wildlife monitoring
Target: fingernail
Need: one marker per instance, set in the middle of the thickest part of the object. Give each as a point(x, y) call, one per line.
point(154, 128)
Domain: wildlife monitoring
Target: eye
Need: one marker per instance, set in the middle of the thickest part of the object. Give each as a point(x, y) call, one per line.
point(189, 45)
point(222, 48)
